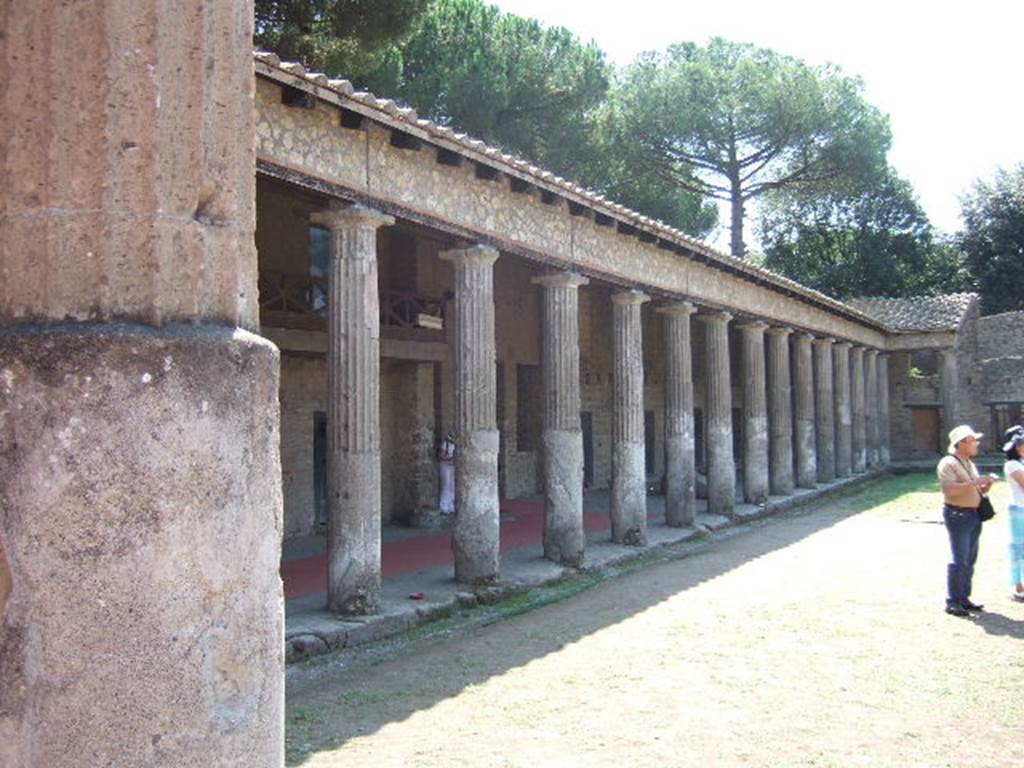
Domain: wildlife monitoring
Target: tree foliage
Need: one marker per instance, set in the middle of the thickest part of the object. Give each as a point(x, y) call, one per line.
point(336, 36)
point(993, 239)
point(867, 238)
point(733, 122)
point(535, 91)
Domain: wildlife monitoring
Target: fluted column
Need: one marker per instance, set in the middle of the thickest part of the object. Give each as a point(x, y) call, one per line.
point(780, 412)
point(884, 427)
point(718, 415)
point(859, 458)
point(564, 539)
point(141, 612)
point(844, 412)
point(948, 380)
point(804, 415)
point(680, 467)
point(824, 410)
point(353, 410)
point(755, 414)
point(871, 405)
point(476, 540)
point(629, 493)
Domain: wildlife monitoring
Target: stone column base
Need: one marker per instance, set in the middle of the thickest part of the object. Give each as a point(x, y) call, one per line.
point(629, 495)
point(140, 519)
point(477, 543)
point(564, 539)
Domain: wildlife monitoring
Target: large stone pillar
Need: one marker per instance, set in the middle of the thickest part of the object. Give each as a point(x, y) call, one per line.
point(564, 539)
point(353, 410)
point(844, 413)
point(948, 379)
point(680, 467)
point(718, 415)
point(780, 412)
point(871, 405)
point(755, 414)
point(859, 426)
point(824, 410)
point(884, 427)
point(476, 540)
point(141, 612)
point(629, 490)
point(804, 417)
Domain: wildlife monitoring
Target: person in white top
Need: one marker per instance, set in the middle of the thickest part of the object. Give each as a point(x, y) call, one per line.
point(1013, 470)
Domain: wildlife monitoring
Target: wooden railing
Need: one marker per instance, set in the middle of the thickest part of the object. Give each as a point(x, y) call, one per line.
point(300, 301)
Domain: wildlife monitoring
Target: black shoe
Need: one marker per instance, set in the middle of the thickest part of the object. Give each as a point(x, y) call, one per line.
point(957, 610)
point(972, 606)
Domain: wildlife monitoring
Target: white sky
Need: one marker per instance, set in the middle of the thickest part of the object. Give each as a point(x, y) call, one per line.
point(948, 74)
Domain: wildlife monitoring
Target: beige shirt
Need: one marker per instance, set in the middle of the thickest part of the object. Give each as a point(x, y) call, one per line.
point(951, 469)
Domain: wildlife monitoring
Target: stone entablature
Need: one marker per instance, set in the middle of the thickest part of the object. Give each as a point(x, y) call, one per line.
point(453, 184)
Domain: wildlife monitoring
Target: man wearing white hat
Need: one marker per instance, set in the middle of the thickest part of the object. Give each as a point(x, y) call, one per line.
point(962, 489)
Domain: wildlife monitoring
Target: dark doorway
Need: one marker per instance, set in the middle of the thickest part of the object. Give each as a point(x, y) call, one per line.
point(587, 425)
point(649, 456)
point(320, 467)
point(924, 429)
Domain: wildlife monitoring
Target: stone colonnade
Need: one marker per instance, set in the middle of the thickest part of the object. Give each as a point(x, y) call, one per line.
point(806, 413)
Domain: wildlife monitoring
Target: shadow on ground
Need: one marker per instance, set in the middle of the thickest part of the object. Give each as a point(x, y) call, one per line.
point(349, 694)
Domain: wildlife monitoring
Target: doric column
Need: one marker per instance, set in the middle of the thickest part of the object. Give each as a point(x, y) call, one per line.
point(780, 412)
point(755, 414)
point(804, 420)
point(844, 412)
point(718, 415)
point(884, 427)
point(857, 395)
point(680, 467)
point(141, 613)
point(824, 410)
point(353, 410)
point(871, 405)
point(629, 492)
point(564, 539)
point(948, 380)
point(476, 539)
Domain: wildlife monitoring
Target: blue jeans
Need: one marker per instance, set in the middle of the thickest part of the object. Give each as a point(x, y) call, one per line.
point(964, 528)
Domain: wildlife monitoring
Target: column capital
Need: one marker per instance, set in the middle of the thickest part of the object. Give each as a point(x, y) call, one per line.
point(779, 330)
point(351, 217)
point(561, 280)
point(677, 308)
point(714, 316)
point(630, 297)
point(844, 345)
point(810, 337)
point(823, 341)
point(484, 255)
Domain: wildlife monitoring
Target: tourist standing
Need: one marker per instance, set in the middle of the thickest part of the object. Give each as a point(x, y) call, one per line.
point(446, 462)
point(1013, 471)
point(962, 489)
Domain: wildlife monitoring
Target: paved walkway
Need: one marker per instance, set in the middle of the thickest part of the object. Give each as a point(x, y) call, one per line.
point(420, 563)
point(806, 640)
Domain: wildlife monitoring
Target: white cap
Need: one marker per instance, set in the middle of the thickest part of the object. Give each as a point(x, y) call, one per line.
point(961, 433)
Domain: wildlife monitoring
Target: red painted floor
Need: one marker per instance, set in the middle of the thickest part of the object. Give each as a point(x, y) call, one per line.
point(521, 525)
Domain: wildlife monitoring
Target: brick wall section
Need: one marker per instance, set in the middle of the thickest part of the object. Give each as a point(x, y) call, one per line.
point(1001, 353)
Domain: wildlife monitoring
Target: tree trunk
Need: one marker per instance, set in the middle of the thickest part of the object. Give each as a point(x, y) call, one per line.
point(739, 249)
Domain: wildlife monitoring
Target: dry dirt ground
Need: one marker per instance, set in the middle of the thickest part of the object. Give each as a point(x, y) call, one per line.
point(815, 639)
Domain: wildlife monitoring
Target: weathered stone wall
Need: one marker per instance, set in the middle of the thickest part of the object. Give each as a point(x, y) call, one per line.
point(313, 142)
point(1001, 354)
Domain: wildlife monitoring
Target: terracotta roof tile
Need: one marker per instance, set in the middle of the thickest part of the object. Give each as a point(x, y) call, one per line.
point(918, 313)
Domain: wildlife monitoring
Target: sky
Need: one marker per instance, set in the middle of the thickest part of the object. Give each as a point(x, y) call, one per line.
point(949, 75)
